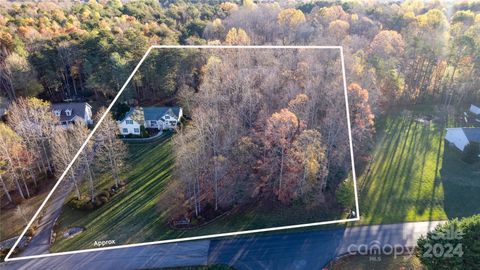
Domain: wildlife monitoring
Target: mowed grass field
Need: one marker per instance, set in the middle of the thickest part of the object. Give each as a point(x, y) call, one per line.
point(413, 176)
point(130, 214)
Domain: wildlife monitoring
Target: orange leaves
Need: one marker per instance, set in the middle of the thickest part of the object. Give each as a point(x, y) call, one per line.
point(281, 128)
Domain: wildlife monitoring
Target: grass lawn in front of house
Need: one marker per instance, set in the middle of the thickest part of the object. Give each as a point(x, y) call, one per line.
point(133, 215)
point(413, 176)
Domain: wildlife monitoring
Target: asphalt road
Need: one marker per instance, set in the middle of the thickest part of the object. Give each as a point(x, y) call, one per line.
point(282, 250)
point(41, 240)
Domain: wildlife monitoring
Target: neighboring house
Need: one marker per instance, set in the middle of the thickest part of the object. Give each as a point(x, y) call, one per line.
point(69, 113)
point(160, 118)
point(461, 137)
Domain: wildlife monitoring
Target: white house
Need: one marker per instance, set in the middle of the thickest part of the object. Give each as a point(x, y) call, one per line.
point(461, 137)
point(68, 113)
point(132, 121)
point(160, 118)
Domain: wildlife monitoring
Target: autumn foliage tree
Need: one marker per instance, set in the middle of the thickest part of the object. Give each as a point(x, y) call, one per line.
point(280, 132)
point(361, 117)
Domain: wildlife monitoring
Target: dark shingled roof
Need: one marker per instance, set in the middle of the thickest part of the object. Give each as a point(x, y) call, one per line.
point(472, 134)
point(78, 109)
point(155, 113)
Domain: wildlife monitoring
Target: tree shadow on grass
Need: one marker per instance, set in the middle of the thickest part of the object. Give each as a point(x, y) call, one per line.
point(461, 182)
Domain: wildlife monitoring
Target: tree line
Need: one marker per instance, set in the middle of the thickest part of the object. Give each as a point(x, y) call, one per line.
point(64, 50)
point(413, 51)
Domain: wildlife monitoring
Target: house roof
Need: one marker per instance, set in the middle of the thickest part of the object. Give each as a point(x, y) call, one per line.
point(475, 109)
point(461, 137)
point(155, 113)
point(78, 109)
point(136, 114)
point(472, 134)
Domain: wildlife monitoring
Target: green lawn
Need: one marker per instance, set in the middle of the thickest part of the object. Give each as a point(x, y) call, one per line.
point(133, 216)
point(413, 176)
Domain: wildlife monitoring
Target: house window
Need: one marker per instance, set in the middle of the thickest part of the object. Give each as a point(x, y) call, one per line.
point(129, 122)
point(125, 130)
point(57, 112)
point(167, 117)
point(153, 123)
point(68, 112)
point(136, 130)
point(173, 123)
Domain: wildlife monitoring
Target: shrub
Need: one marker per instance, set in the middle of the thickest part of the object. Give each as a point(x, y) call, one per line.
point(345, 194)
point(30, 232)
point(104, 193)
point(98, 202)
point(143, 132)
point(89, 206)
point(103, 199)
point(76, 203)
point(82, 203)
point(458, 239)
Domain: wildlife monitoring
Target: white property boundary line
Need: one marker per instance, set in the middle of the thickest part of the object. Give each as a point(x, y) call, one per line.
point(7, 258)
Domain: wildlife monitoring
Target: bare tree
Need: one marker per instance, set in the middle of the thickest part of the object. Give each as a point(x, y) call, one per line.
point(79, 133)
point(189, 159)
point(4, 183)
point(111, 150)
point(34, 122)
point(63, 151)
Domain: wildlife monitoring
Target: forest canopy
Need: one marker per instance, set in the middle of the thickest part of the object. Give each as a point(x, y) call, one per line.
point(413, 51)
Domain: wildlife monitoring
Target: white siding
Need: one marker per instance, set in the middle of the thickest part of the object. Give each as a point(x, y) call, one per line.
point(88, 115)
point(126, 129)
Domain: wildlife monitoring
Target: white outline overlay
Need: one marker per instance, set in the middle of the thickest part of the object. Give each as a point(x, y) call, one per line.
point(7, 258)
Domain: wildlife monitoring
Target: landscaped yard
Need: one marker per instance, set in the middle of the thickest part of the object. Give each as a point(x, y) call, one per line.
point(413, 175)
point(133, 215)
